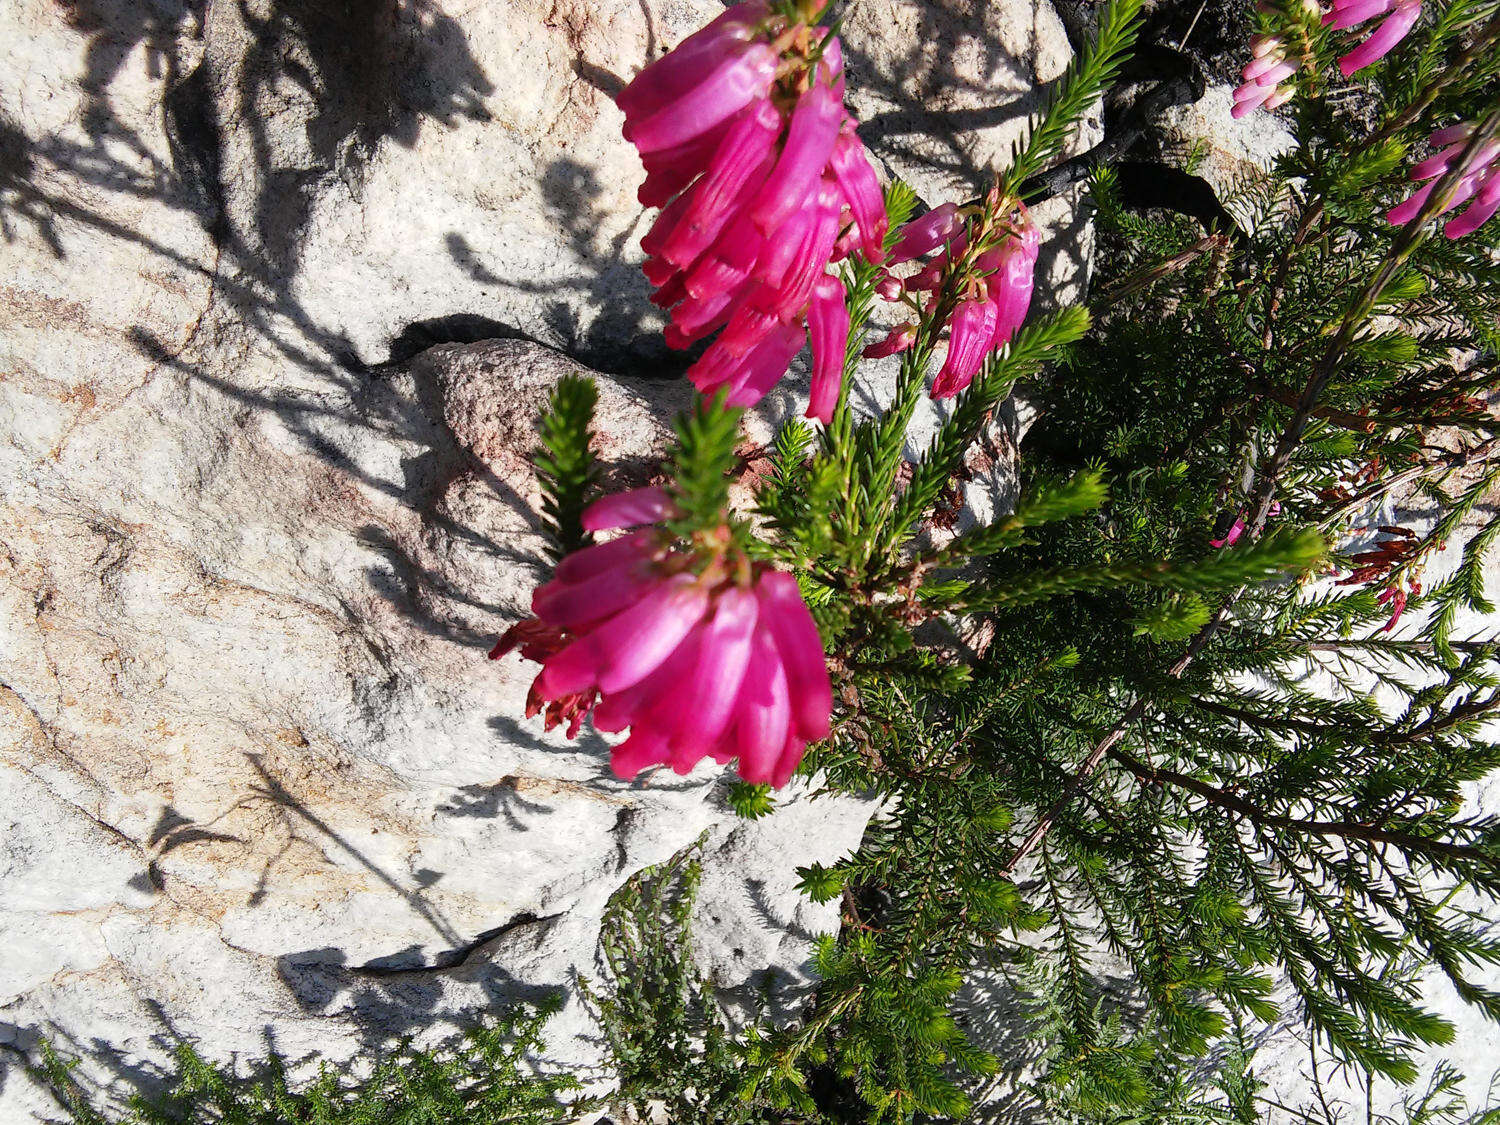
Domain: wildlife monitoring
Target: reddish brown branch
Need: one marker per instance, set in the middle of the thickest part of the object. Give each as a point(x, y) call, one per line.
point(1343, 829)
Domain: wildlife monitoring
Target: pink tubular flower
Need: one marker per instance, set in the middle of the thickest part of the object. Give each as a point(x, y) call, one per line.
point(987, 271)
point(1232, 535)
point(861, 191)
point(729, 87)
point(762, 183)
point(1010, 285)
point(628, 509)
point(1400, 17)
point(1237, 528)
point(1479, 184)
point(670, 80)
point(1394, 597)
point(828, 328)
point(1264, 77)
point(925, 234)
point(971, 330)
point(697, 653)
point(899, 340)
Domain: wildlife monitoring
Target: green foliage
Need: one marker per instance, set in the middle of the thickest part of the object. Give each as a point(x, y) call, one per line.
point(1083, 493)
point(565, 463)
point(1032, 346)
point(1085, 82)
point(900, 201)
point(1095, 743)
point(819, 883)
point(1175, 618)
point(1073, 767)
point(1289, 551)
point(669, 1044)
point(751, 801)
point(1442, 1103)
point(483, 1078)
point(707, 435)
point(897, 1043)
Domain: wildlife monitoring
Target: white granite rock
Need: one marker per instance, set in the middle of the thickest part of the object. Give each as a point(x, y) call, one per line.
point(258, 776)
point(943, 90)
point(1226, 152)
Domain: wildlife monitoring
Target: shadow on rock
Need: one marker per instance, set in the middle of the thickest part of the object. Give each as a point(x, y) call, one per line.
point(502, 798)
point(368, 70)
point(623, 335)
point(405, 992)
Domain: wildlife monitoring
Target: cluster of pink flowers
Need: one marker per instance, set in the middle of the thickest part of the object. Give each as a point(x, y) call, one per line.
point(1265, 84)
point(1479, 184)
point(762, 183)
point(1400, 17)
point(1265, 75)
point(987, 277)
point(697, 652)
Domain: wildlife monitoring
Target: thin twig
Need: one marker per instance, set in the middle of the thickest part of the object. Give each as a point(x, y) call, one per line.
point(1457, 460)
point(1402, 645)
point(1149, 275)
point(1278, 285)
point(1181, 43)
point(1407, 241)
point(1343, 829)
point(1044, 825)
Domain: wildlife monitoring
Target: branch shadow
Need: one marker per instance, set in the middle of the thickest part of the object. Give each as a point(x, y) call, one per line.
point(917, 124)
point(112, 1071)
point(590, 745)
point(623, 336)
point(499, 799)
point(995, 1011)
point(374, 71)
point(128, 1085)
point(407, 991)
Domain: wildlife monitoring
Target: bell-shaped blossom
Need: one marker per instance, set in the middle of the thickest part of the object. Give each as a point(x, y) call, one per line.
point(631, 508)
point(924, 234)
point(1267, 76)
point(1237, 528)
point(889, 288)
point(991, 283)
point(1400, 17)
point(1232, 536)
point(698, 653)
point(1264, 77)
point(763, 183)
point(828, 329)
point(672, 80)
point(860, 189)
point(971, 329)
point(898, 340)
point(1395, 598)
point(1478, 185)
point(1011, 276)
